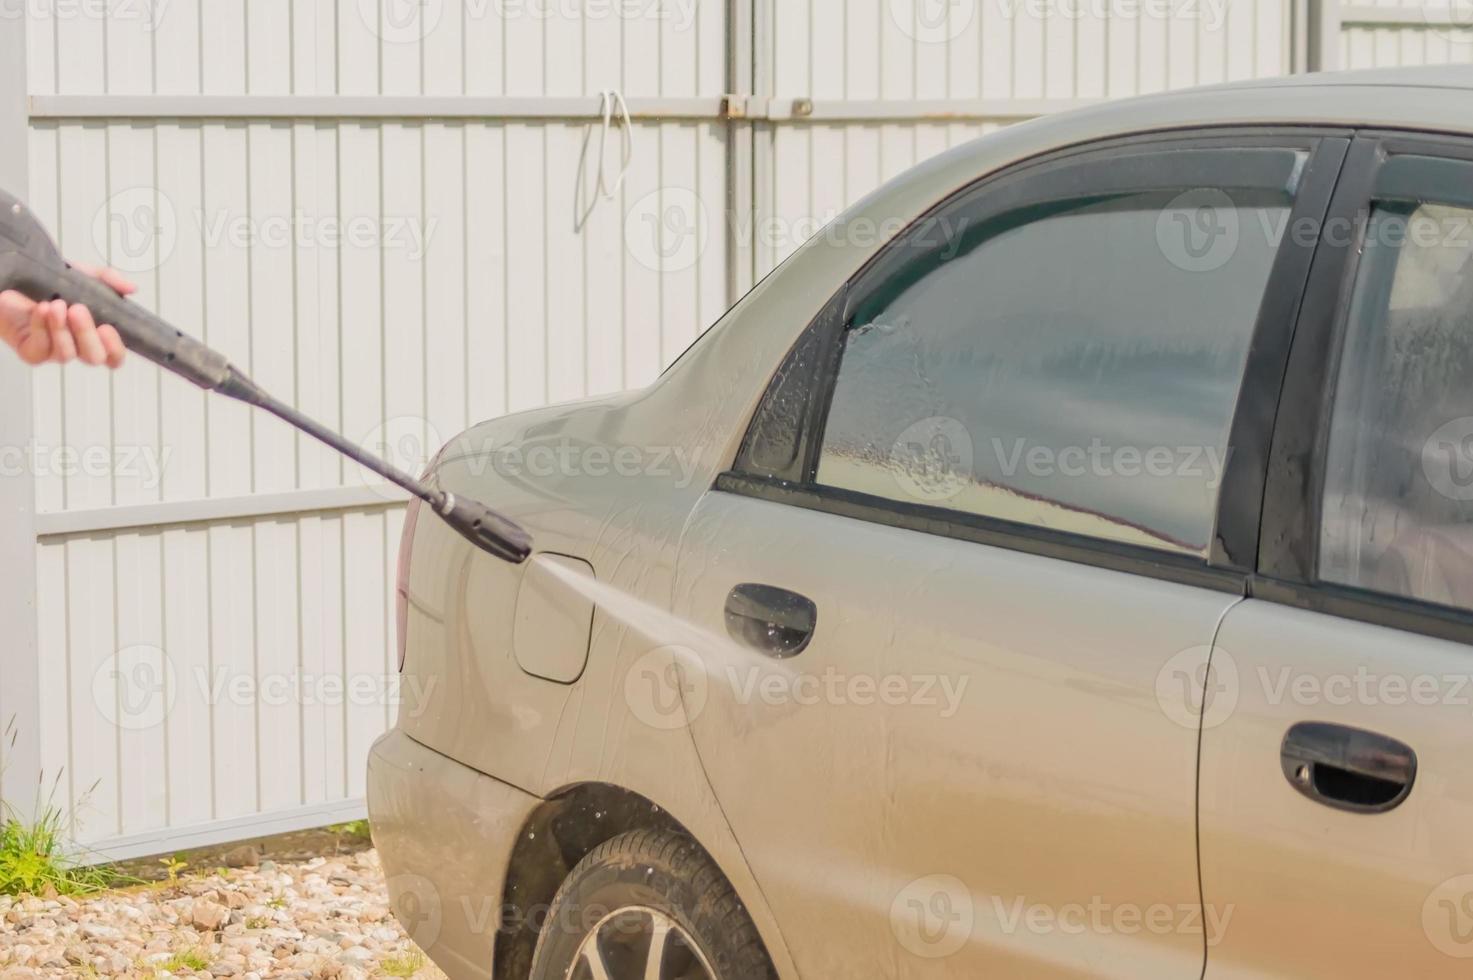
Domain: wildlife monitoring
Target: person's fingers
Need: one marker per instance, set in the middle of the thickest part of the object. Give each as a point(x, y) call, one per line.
point(84, 331)
point(115, 279)
point(15, 309)
point(57, 332)
point(112, 277)
point(112, 344)
point(15, 315)
point(33, 343)
point(63, 347)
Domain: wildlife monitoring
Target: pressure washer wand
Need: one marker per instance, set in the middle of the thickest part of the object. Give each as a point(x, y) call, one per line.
point(31, 264)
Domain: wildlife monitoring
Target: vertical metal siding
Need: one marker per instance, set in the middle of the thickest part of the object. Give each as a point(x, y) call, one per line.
point(1430, 33)
point(984, 49)
point(526, 282)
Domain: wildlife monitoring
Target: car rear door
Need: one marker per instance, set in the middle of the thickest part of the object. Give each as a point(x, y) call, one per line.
point(1337, 762)
point(974, 551)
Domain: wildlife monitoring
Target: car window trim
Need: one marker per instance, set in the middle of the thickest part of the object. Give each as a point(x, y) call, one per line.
point(1288, 570)
point(1118, 172)
point(994, 532)
point(1227, 566)
point(1365, 606)
point(1240, 499)
point(797, 420)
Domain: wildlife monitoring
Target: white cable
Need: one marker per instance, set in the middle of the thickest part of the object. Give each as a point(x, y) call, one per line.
point(608, 100)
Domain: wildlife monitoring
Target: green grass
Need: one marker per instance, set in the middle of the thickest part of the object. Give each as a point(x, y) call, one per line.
point(404, 965)
point(189, 959)
point(356, 830)
point(34, 859)
point(188, 962)
point(34, 856)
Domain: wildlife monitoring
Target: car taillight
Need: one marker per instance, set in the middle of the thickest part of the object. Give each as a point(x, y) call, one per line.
point(401, 584)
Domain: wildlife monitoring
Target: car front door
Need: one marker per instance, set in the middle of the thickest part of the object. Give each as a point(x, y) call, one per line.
point(1337, 776)
point(973, 556)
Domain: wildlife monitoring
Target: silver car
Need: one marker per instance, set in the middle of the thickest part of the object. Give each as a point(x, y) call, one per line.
point(1062, 566)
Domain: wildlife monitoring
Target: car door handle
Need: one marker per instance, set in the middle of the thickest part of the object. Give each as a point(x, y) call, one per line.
point(770, 620)
point(1347, 768)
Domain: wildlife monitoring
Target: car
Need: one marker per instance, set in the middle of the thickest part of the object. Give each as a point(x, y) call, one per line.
point(1061, 566)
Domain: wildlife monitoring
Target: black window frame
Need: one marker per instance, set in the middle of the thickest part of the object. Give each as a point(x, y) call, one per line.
point(813, 363)
point(1288, 570)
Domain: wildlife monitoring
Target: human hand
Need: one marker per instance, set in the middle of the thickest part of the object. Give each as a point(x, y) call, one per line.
point(56, 331)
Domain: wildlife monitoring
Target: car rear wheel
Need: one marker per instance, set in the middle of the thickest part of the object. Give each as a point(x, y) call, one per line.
point(648, 905)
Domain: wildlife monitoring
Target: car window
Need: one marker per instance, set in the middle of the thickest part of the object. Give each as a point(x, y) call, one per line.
point(1073, 366)
point(1397, 514)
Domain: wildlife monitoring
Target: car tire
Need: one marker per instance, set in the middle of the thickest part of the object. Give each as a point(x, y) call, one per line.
point(641, 890)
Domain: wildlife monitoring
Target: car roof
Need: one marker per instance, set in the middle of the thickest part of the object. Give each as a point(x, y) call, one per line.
point(1416, 76)
point(1437, 98)
point(1433, 99)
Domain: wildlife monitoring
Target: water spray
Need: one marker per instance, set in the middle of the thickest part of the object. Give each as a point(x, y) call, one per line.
point(31, 264)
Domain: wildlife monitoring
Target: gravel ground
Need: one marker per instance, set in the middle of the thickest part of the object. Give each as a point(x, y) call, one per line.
point(327, 917)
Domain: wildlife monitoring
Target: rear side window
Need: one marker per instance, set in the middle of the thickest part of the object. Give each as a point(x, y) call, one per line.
point(1071, 365)
point(1397, 513)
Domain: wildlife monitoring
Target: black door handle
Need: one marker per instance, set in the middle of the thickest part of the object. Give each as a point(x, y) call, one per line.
point(1347, 768)
point(770, 620)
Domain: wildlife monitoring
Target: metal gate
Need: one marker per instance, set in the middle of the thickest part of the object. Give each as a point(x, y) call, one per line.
point(408, 215)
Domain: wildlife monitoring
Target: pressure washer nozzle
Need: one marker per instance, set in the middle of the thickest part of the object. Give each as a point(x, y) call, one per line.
point(484, 528)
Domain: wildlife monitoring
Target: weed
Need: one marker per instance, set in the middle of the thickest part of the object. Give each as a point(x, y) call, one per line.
point(190, 959)
point(353, 830)
point(34, 858)
point(173, 866)
point(406, 964)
